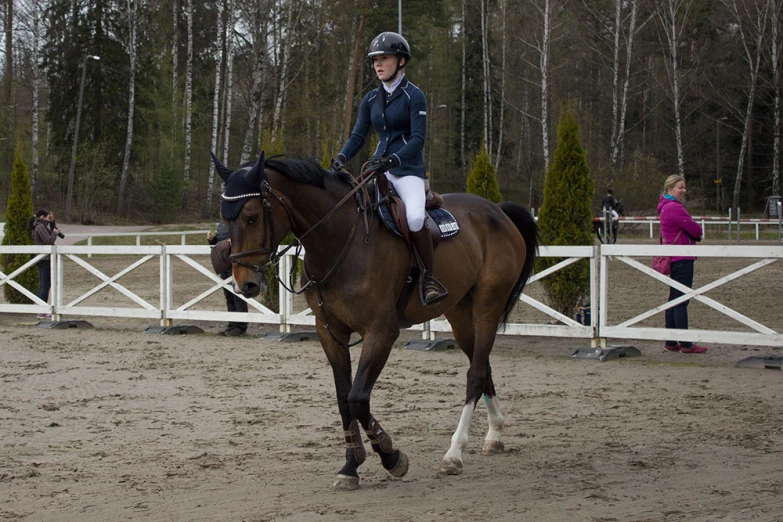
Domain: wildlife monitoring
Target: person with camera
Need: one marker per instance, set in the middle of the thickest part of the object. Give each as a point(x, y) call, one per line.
point(45, 232)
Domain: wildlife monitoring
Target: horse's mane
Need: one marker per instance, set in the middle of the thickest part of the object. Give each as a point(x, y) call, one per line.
point(305, 171)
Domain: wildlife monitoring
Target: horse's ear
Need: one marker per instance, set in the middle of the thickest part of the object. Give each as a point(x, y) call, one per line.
point(222, 170)
point(255, 174)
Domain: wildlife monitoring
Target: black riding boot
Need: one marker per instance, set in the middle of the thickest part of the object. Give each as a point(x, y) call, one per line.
point(430, 290)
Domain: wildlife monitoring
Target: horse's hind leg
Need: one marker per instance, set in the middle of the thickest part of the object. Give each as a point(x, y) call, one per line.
point(492, 442)
point(475, 337)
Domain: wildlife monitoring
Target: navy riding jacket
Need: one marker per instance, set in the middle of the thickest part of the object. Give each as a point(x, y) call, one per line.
point(401, 124)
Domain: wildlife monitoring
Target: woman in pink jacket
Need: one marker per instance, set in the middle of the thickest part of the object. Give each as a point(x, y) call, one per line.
point(678, 227)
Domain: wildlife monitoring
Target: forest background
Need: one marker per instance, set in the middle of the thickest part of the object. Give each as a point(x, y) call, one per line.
point(659, 87)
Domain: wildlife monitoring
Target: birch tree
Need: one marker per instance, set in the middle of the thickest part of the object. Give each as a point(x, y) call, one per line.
point(624, 27)
point(132, 15)
point(503, 16)
point(751, 18)
point(188, 104)
point(487, 84)
point(283, 36)
point(229, 91)
point(254, 14)
point(36, 83)
point(673, 17)
point(174, 55)
point(215, 104)
point(776, 47)
point(541, 48)
point(463, 88)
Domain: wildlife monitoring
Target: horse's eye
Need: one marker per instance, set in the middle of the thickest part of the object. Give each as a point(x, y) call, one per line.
point(252, 220)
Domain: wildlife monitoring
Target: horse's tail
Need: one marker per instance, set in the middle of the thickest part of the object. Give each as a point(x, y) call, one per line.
point(527, 226)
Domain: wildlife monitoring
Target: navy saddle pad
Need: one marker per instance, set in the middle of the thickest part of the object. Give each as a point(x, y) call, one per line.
point(447, 223)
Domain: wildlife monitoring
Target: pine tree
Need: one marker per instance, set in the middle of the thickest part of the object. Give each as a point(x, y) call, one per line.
point(482, 179)
point(565, 217)
point(18, 213)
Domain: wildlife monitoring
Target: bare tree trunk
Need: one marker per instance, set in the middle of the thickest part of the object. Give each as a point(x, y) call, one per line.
point(229, 92)
point(615, 82)
point(544, 68)
point(132, 9)
point(9, 54)
point(215, 104)
point(487, 82)
point(356, 60)
point(617, 157)
point(278, 122)
point(503, 4)
point(188, 105)
point(257, 85)
point(174, 57)
point(776, 8)
point(752, 45)
point(463, 87)
point(36, 81)
point(673, 22)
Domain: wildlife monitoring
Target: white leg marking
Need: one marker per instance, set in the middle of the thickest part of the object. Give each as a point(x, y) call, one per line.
point(494, 418)
point(460, 438)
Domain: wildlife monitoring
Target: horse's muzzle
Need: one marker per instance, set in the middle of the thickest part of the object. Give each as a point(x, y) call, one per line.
point(253, 287)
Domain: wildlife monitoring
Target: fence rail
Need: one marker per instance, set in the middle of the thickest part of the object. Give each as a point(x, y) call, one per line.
point(173, 300)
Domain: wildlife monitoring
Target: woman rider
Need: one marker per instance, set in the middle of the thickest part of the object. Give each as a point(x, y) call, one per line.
point(398, 112)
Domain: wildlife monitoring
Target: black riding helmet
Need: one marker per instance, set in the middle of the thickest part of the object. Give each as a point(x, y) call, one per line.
point(390, 43)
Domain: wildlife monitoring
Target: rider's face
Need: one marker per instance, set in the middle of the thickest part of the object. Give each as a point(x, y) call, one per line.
point(385, 66)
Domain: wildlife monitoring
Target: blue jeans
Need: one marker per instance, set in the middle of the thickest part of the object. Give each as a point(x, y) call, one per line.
point(44, 279)
point(677, 316)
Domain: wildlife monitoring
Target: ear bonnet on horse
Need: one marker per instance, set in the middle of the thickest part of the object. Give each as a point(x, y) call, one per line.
point(241, 185)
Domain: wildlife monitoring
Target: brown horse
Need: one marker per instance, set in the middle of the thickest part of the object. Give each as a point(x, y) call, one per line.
point(353, 284)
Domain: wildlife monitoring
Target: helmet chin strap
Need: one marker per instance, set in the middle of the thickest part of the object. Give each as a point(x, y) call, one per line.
point(396, 72)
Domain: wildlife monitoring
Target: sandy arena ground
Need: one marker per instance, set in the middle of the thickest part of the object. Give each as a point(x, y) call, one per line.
point(112, 424)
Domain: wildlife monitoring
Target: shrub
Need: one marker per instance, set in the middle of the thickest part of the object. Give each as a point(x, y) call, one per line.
point(565, 217)
point(482, 179)
point(18, 213)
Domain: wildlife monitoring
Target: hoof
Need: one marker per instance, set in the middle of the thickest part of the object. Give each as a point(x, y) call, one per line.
point(492, 447)
point(451, 466)
point(346, 483)
point(401, 468)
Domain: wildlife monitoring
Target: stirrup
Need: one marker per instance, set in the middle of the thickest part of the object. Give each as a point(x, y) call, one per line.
point(431, 291)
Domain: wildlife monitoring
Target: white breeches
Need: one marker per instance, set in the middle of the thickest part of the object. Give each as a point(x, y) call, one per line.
point(411, 192)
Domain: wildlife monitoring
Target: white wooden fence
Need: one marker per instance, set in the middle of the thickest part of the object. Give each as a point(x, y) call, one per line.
point(159, 304)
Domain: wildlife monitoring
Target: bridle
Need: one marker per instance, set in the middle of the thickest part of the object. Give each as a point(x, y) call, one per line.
point(269, 229)
point(265, 193)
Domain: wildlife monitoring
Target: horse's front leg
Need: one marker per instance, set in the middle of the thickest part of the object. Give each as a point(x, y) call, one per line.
point(355, 454)
point(375, 352)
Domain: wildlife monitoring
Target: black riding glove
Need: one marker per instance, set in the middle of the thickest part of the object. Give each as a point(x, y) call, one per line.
point(337, 163)
point(383, 164)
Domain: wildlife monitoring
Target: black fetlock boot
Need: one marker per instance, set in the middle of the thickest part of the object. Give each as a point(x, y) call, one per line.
point(430, 289)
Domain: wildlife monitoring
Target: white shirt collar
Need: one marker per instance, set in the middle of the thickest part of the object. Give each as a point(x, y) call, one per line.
point(394, 84)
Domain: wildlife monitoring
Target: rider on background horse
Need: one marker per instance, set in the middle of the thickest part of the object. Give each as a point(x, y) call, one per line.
point(398, 112)
point(609, 204)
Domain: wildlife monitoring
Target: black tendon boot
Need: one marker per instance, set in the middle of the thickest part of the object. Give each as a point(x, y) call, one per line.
point(430, 289)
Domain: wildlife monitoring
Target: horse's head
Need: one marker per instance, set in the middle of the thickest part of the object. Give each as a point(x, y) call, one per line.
point(619, 208)
point(256, 223)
